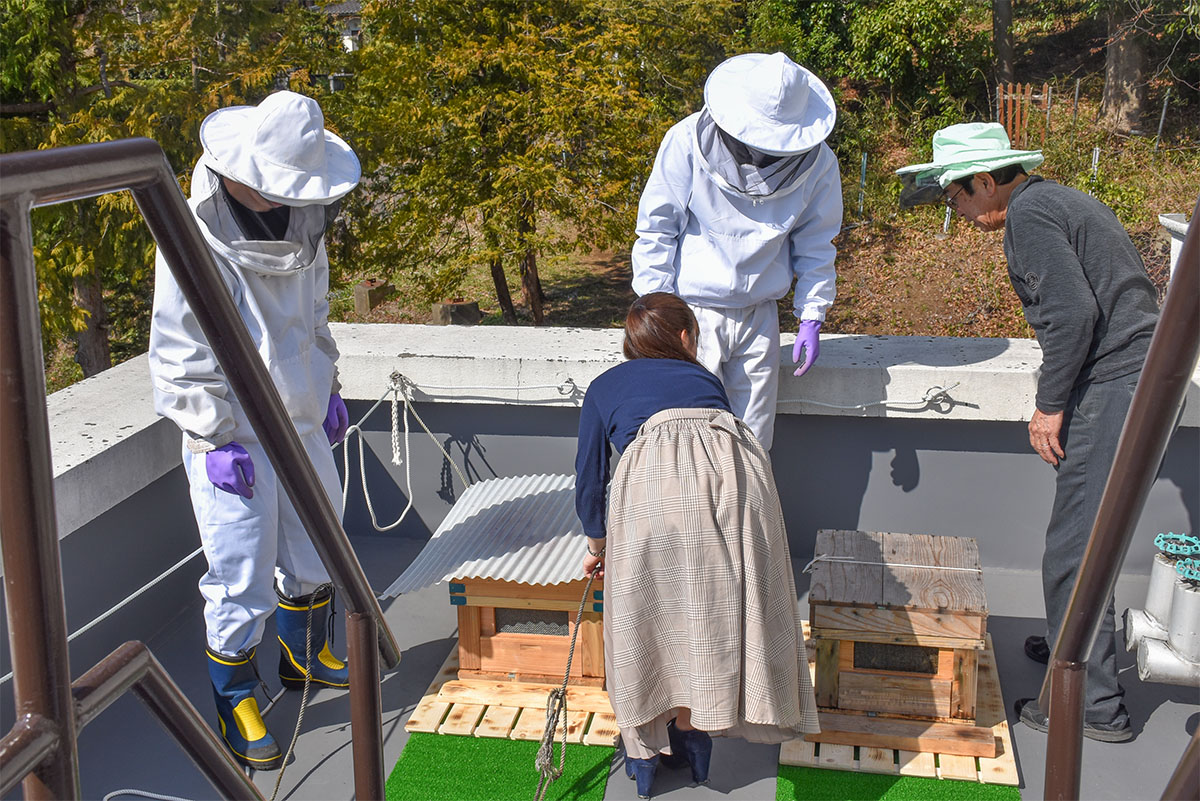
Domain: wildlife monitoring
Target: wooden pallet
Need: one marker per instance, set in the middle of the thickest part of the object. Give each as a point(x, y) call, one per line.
point(1000, 769)
point(509, 710)
point(517, 711)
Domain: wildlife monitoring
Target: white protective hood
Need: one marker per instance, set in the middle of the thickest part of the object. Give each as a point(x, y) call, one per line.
point(295, 252)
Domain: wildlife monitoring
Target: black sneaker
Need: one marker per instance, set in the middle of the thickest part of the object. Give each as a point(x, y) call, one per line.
point(1028, 712)
point(1037, 649)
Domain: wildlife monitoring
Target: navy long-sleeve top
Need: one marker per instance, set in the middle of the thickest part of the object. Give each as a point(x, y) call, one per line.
point(616, 405)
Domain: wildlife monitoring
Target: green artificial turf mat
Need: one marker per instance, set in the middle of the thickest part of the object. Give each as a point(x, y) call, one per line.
point(445, 767)
point(819, 784)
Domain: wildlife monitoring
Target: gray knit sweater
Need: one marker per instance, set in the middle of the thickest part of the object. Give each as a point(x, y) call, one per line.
point(1082, 286)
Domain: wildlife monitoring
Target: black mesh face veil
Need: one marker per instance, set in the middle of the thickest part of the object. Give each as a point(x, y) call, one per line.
point(917, 189)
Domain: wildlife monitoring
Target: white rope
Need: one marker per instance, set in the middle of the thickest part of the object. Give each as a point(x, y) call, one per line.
point(846, 560)
point(398, 388)
point(932, 395)
point(128, 600)
point(143, 794)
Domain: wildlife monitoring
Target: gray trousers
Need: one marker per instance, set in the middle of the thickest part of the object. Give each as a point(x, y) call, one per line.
point(1092, 425)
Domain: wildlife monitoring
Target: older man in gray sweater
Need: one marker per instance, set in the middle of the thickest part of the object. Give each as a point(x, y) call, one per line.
point(1084, 290)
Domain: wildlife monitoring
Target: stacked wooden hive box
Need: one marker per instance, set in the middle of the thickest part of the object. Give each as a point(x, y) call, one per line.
point(899, 622)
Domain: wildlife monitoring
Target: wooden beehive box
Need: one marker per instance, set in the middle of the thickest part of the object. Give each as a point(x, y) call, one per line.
point(510, 631)
point(898, 622)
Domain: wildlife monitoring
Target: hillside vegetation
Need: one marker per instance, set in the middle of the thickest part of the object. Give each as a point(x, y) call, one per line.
point(505, 144)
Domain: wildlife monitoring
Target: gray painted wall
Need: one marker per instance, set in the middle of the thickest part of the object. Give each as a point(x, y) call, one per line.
point(968, 478)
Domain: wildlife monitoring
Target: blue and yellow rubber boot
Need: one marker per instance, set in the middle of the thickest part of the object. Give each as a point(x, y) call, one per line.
point(234, 679)
point(291, 622)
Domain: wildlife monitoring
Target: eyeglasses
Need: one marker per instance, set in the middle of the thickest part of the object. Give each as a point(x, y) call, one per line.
point(951, 201)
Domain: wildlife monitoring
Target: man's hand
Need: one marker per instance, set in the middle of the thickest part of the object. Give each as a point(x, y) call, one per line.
point(808, 343)
point(1043, 436)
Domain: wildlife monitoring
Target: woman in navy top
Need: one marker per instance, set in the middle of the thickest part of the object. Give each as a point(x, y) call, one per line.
point(693, 552)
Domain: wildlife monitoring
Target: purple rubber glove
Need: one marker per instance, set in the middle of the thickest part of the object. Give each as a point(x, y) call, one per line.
point(337, 419)
point(808, 343)
point(231, 469)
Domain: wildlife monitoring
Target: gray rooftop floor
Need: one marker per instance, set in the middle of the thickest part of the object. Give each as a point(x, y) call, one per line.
point(124, 748)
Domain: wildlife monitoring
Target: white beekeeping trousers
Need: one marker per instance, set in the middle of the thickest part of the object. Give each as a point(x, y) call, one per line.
point(251, 542)
point(741, 347)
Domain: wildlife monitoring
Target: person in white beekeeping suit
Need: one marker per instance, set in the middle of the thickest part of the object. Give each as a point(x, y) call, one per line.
point(263, 193)
point(744, 199)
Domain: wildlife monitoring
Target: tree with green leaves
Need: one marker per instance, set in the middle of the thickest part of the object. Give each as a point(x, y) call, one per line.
point(80, 71)
point(498, 132)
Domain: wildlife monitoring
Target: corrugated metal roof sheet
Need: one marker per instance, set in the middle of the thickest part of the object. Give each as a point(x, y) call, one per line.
point(521, 529)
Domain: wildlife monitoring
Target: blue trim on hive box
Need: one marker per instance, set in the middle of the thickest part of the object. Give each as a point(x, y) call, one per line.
point(598, 595)
point(597, 607)
point(457, 588)
point(458, 600)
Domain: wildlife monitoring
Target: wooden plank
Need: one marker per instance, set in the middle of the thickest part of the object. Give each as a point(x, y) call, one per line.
point(957, 588)
point(468, 638)
point(827, 672)
point(989, 710)
point(466, 691)
point(900, 695)
point(938, 738)
point(430, 711)
point(487, 622)
point(427, 716)
point(531, 725)
point(965, 670)
point(917, 763)
point(461, 719)
point(497, 721)
point(511, 677)
point(514, 590)
point(590, 649)
point(799, 752)
point(899, 625)
point(952, 766)
point(577, 722)
point(602, 730)
point(503, 602)
point(528, 653)
point(859, 579)
point(877, 760)
point(837, 757)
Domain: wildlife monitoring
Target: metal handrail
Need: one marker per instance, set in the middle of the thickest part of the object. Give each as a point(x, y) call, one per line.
point(130, 667)
point(1160, 392)
point(33, 573)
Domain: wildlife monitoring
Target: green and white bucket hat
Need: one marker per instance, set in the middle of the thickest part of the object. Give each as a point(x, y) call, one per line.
point(958, 151)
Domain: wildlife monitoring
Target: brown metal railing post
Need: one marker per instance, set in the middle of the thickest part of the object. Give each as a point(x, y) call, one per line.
point(1184, 784)
point(1156, 402)
point(37, 618)
point(133, 667)
point(33, 573)
point(366, 709)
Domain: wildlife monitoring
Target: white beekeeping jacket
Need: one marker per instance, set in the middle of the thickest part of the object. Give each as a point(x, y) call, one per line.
point(712, 245)
point(279, 288)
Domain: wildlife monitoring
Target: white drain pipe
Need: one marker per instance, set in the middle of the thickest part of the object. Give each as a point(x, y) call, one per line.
point(1175, 660)
point(1151, 622)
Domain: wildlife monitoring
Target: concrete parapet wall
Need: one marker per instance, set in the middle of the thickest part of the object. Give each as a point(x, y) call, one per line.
point(108, 444)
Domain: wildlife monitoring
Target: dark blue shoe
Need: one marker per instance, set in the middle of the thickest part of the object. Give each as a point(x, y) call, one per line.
point(291, 623)
point(642, 771)
point(234, 679)
point(693, 745)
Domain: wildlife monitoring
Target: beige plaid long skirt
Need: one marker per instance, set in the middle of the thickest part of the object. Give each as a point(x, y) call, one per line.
point(700, 603)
